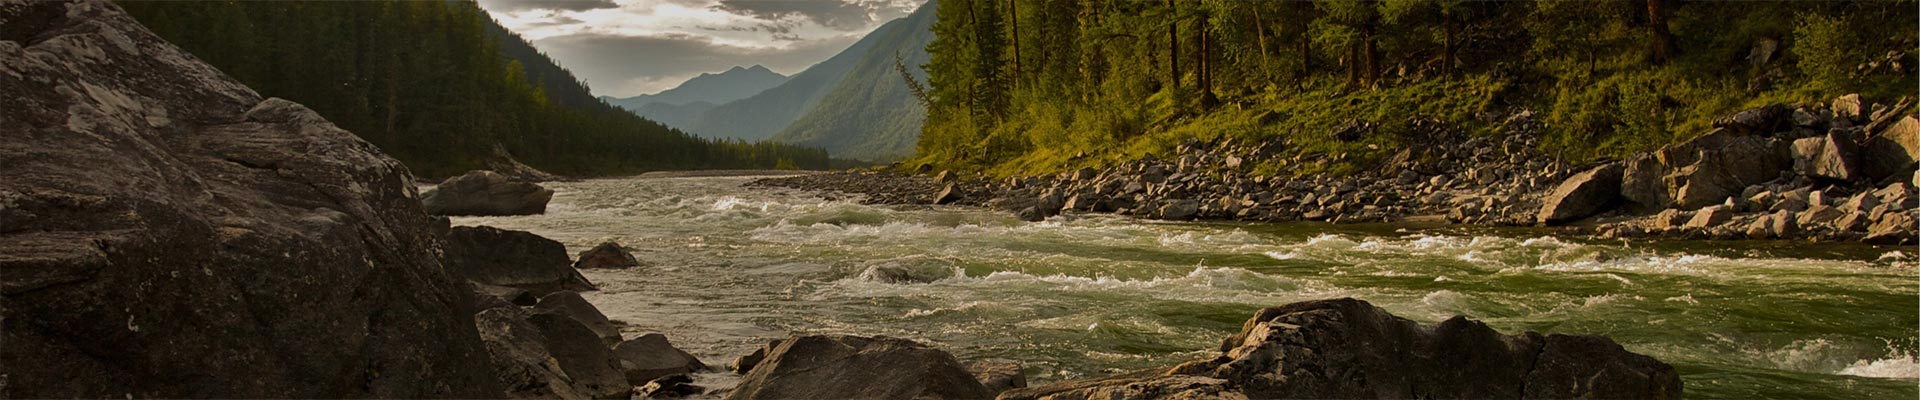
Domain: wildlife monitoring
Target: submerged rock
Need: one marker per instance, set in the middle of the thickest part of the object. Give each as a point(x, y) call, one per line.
point(486, 193)
point(608, 255)
point(650, 356)
point(853, 367)
point(1346, 348)
point(516, 259)
point(167, 232)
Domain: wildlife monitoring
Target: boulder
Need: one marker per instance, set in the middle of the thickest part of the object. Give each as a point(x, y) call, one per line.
point(1710, 217)
point(590, 366)
point(1346, 348)
point(516, 259)
point(1757, 121)
point(1817, 215)
point(853, 367)
point(1892, 151)
point(1893, 228)
point(1582, 195)
point(486, 193)
point(1669, 219)
point(1849, 108)
point(166, 232)
point(607, 255)
point(1178, 210)
point(1828, 156)
point(947, 195)
point(1703, 171)
point(998, 376)
point(1643, 184)
point(519, 355)
point(572, 305)
point(669, 387)
point(744, 364)
point(650, 357)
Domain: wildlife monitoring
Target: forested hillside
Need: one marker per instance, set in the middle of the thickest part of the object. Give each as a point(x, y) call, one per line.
point(872, 114)
point(437, 85)
point(712, 88)
point(1027, 86)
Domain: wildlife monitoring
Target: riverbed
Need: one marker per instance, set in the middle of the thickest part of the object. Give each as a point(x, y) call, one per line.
point(728, 267)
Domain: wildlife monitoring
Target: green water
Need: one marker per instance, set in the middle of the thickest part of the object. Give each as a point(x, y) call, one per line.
point(1083, 296)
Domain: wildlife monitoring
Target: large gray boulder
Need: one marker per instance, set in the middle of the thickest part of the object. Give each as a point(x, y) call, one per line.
point(853, 367)
point(591, 367)
point(515, 259)
point(1893, 151)
point(572, 305)
point(1828, 156)
point(607, 255)
point(486, 193)
point(1703, 171)
point(1582, 195)
point(1349, 349)
point(167, 232)
point(520, 359)
point(651, 356)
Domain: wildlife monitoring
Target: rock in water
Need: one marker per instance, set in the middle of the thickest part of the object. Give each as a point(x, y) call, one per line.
point(516, 259)
point(486, 193)
point(520, 358)
point(572, 305)
point(650, 357)
point(852, 367)
point(1583, 195)
point(170, 233)
point(590, 366)
point(608, 255)
point(1346, 348)
point(998, 376)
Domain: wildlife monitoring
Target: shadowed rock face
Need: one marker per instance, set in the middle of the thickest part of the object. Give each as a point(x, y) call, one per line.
point(166, 232)
point(486, 193)
point(1346, 348)
point(514, 259)
point(852, 367)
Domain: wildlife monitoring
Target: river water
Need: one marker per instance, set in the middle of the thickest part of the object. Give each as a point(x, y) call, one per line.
point(728, 267)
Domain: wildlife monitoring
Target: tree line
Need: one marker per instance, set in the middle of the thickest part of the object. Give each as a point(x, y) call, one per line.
point(1037, 85)
point(438, 85)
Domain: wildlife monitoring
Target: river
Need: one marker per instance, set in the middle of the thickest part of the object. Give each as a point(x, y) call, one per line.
point(728, 267)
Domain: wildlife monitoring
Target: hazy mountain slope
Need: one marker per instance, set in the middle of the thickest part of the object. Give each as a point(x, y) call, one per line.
point(674, 115)
point(871, 115)
point(759, 117)
point(733, 84)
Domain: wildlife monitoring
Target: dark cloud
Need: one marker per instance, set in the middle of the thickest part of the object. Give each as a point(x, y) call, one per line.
point(566, 5)
point(842, 15)
point(631, 65)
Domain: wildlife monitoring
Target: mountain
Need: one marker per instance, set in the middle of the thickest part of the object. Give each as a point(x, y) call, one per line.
point(762, 115)
point(871, 114)
point(673, 114)
point(734, 84)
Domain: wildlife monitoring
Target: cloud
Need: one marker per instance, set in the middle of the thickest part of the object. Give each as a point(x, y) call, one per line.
point(566, 5)
point(631, 65)
point(842, 15)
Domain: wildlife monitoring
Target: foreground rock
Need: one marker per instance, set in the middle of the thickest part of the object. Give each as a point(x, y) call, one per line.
point(486, 193)
point(852, 367)
point(1583, 195)
point(167, 232)
point(651, 357)
point(1347, 348)
point(608, 255)
point(515, 259)
point(573, 306)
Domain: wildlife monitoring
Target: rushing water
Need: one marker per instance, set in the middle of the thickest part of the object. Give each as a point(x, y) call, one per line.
point(1082, 296)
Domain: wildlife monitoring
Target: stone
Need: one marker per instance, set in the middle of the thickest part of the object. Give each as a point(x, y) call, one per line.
point(998, 376)
point(1710, 217)
point(1643, 184)
point(1757, 121)
point(1828, 156)
point(1178, 210)
point(515, 259)
point(520, 360)
point(166, 232)
point(1817, 215)
point(1850, 108)
point(947, 195)
point(1346, 348)
point(854, 367)
point(1893, 228)
point(1669, 219)
point(945, 176)
point(607, 255)
point(592, 368)
point(1892, 151)
point(670, 387)
point(1862, 202)
point(572, 305)
point(1705, 170)
point(745, 364)
point(1851, 222)
point(486, 193)
point(1582, 195)
point(651, 356)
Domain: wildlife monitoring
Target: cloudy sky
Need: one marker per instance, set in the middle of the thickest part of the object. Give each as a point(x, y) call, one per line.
point(630, 47)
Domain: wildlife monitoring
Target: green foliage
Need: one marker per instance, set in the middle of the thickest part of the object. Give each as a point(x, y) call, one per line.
point(429, 83)
point(1142, 72)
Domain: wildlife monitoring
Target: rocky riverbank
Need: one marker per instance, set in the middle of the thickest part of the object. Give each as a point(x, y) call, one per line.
point(1839, 172)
